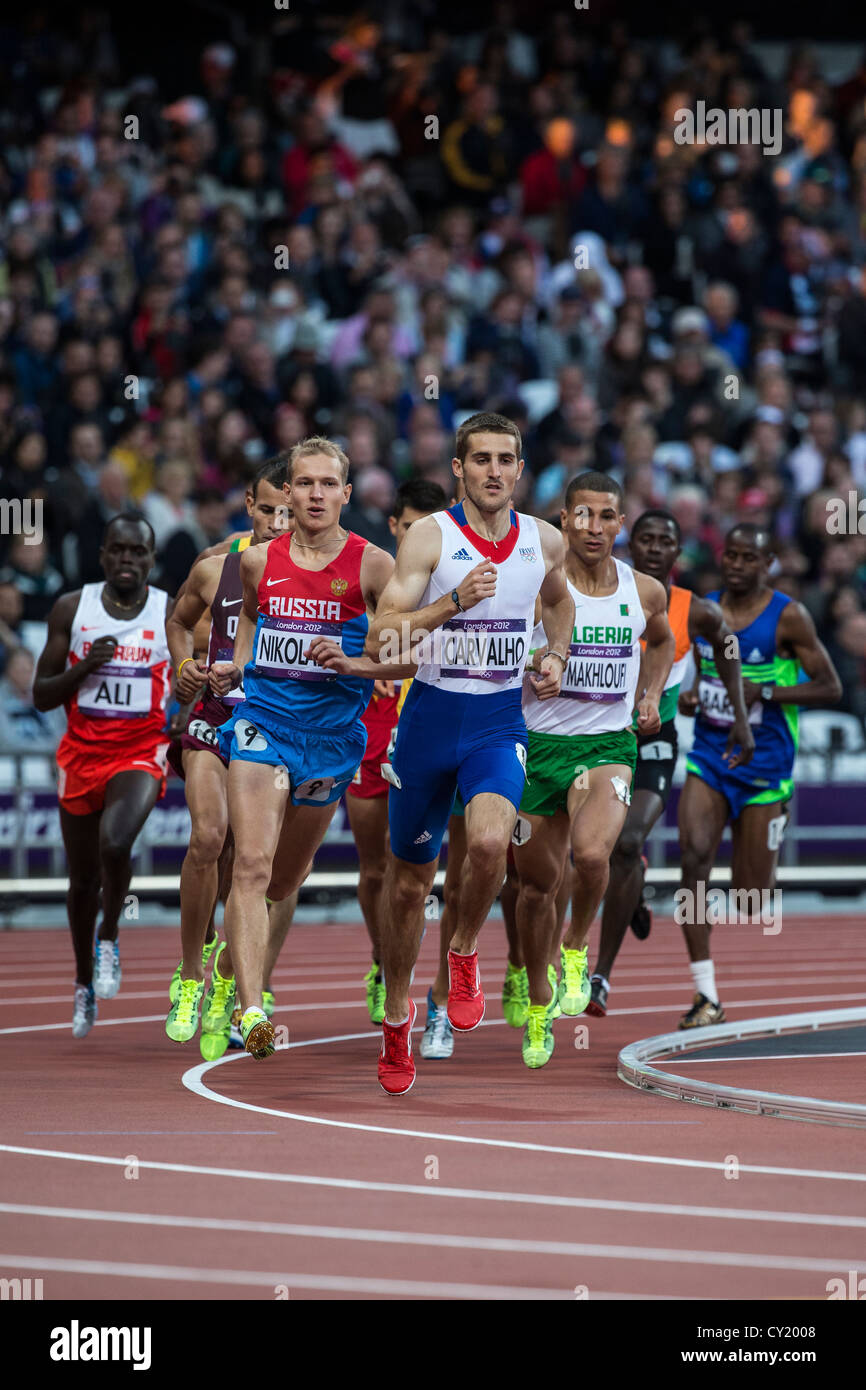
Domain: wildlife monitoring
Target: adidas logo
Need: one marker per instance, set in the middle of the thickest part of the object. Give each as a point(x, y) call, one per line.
point(755, 655)
point(423, 838)
point(461, 554)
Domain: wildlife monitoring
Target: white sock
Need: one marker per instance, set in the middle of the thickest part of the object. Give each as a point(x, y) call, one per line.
point(704, 976)
point(397, 1025)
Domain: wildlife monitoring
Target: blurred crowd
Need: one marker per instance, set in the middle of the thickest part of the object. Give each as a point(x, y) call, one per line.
point(372, 226)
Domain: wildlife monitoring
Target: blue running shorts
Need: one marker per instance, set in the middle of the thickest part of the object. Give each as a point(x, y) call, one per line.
point(737, 786)
point(449, 742)
point(320, 762)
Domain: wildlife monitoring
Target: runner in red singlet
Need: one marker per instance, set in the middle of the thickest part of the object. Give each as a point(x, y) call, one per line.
point(107, 661)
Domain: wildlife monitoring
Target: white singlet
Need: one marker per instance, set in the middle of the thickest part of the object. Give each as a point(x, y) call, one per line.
point(599, 682)
point(485, 650)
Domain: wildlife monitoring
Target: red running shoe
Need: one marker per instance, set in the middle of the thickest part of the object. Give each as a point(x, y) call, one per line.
point(396, 1067)
point(465, 1000)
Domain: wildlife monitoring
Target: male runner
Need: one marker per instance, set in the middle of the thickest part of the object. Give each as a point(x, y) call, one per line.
point(654, 545)
point(776, 638)
point(582, 748)
point(297, 744)
point(106, 661)
point(367, 797)
point(475, 571)
point(213, 589)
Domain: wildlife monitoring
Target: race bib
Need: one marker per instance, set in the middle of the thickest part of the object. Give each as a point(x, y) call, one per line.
point(316, 789)
point(117, 692)
point(716, 707)
point(204, 732)
point(596, 673)
point(492, 649)
point(282, 649)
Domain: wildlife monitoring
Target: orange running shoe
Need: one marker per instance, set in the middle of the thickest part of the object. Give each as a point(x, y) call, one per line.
point(465, 1000)
point(396, 1067)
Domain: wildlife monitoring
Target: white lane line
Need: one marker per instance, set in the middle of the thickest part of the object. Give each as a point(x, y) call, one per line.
point(489, 1023)
point(471, 1194)
point(760, 1057)
point(676, 986)
point(439, 1240)
point(192, 1079)
point(277, 1279)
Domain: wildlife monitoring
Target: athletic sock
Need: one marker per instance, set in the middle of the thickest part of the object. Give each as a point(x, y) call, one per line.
point(400, 1024)
point(704, 976)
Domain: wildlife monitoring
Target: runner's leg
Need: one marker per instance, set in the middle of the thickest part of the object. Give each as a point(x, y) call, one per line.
point(597, 816)
point(81, 841)
point(451, 902)
point(757, 836)
point(703, 814)
point(129, 799)
point(368, 821)
point(256, 803)
point(490, 820)
point(206, 797)
point(626, 877)
point(407, 886)
point(539, 862)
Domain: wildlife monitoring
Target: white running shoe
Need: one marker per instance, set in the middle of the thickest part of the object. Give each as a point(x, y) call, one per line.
point(106, 969)
point(84, 1011)
point(438, 1039)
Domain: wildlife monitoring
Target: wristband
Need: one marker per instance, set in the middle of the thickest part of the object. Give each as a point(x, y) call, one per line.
point(563, 659)
point(182, 664)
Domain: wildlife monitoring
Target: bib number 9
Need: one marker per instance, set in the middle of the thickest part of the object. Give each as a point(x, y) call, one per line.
point(249, 737)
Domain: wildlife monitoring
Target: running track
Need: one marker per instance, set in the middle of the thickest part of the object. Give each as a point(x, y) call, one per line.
point(297, 1176)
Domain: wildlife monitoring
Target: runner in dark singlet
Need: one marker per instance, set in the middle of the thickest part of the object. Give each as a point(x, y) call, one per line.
point(213, 586)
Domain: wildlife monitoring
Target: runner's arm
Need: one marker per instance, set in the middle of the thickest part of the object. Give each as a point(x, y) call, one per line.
point(557, 614)
point(190, 604)
point(796, 632)
point(377, 567)
point(53, 685)
point(399, 626)
point(658, 654)
point(706, 620)
point(252, 568)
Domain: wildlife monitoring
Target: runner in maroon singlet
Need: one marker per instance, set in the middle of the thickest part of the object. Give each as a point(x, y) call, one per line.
point(214, 588)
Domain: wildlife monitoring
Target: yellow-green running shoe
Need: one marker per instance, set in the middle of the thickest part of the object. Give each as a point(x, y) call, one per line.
point(553, 980)
point(269, 1003)
point(375, 982)
point(216, 1014)
point(575, 989)
point(258, 1034)
point(207, 951)
point(538, 1034)
point(182, 1021)
point(515, 995)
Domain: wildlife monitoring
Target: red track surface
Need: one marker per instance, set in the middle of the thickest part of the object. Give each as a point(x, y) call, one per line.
point(487, 1180)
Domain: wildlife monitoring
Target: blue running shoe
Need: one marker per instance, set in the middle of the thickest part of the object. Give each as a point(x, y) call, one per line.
point(438, 1039)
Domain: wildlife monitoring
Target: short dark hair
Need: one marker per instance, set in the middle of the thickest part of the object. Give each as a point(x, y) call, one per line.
point(486, 422)
point(421, 495)
point(761, 536)
point(274, 471)
point(658, 514)
point(130, 518)
point(593, 481)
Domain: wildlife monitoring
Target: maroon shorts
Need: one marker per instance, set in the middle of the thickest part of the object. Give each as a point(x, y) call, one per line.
point(200, 733)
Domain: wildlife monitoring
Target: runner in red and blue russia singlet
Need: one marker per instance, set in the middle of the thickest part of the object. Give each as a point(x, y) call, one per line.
point(297, 714)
